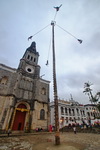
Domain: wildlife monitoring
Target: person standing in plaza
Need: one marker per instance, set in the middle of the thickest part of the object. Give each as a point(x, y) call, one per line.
point(9, 132)
point(74, 129)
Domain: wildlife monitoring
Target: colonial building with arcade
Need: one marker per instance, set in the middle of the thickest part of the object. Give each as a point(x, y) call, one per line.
point(71, 112)
point(24, 95)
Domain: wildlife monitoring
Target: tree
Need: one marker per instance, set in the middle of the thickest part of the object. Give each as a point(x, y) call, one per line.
point(88, 91)
point(98, 106)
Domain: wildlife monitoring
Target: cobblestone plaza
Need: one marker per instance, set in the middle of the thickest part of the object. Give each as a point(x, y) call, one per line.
point(45, 141)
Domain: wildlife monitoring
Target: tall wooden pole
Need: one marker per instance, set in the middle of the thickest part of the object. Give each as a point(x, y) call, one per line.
point(57, 134)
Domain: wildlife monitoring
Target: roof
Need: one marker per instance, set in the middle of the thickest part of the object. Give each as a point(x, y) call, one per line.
point(90, 105)
point(32, 48)
point(2, 66)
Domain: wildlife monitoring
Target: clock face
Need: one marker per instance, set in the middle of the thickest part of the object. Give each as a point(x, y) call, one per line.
point(29, 69)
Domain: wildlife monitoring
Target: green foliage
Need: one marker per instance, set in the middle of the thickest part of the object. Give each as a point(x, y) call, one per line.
point(88, 91)
point(98, 106)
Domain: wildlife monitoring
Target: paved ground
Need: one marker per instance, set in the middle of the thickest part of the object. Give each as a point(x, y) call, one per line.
point(45, 141)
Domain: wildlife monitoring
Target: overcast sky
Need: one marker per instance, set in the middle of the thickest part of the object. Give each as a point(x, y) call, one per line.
point(75, 63)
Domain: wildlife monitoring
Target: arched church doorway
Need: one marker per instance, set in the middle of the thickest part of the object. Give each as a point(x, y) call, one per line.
point(19, 119)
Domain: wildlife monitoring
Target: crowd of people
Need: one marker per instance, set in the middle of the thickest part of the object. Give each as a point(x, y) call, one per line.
point(38, 129)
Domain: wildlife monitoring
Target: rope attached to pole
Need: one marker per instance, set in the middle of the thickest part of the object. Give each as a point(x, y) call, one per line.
point(79, 40)
point(30, 37)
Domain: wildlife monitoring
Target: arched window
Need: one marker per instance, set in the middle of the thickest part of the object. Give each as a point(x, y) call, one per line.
point(78, 118)
point(88, 114)
point(74, 119)
point(28, 57)
point(77, 111)
point(42, 114)
point(73, 112)
point(66, 111)
point(43, 91)
point(69, 111)
point(4, 80)
point(83, 112)
point(62, 110)
point(66, 119)
point(70, 118)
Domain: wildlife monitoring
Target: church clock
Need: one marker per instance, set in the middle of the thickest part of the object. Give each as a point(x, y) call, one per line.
point(29, 69)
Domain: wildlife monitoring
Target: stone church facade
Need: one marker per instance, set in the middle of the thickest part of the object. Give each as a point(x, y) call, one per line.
point(24, 95)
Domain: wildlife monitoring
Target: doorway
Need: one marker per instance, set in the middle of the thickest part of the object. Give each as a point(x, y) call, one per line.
point(19, 119)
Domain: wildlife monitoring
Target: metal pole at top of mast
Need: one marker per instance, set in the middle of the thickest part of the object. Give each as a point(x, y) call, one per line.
point(57, 133)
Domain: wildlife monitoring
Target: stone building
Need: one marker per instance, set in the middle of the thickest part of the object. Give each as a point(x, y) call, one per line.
point(92, 111)
point(72, 112)
point(24, 95)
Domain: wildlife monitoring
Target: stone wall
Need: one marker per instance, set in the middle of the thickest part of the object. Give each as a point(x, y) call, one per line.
point(42, 97)
point(37, 123)
point(7, 88)
point(5, 104)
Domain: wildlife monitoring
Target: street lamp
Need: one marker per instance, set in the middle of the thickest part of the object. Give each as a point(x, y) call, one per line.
point(62, 123)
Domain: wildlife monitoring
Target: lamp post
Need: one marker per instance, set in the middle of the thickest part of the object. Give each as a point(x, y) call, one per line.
point(57, 134)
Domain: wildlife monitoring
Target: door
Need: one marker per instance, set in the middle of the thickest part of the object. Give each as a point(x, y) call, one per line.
point(19, 119)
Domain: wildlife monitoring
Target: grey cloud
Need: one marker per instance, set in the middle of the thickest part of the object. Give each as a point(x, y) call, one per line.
point(76, 63)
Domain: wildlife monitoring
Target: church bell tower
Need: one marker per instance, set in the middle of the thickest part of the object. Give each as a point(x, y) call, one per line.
point(28, 65)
